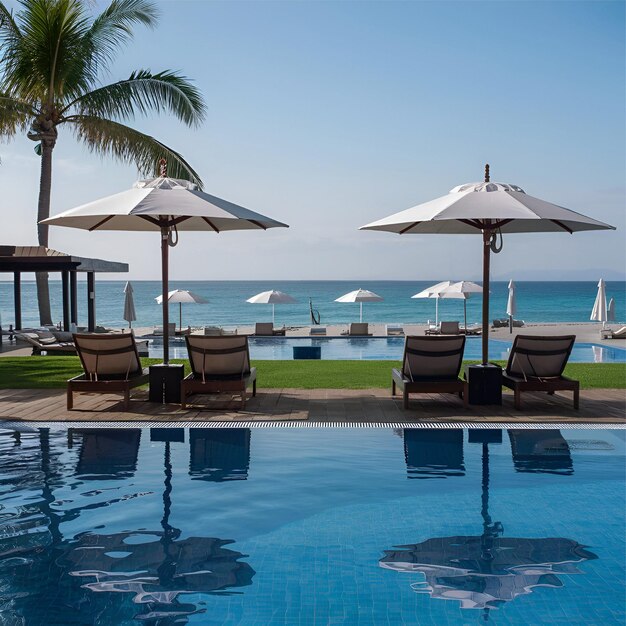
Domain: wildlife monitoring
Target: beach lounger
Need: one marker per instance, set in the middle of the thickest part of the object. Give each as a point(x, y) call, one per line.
point(111, 365)
point(430, 365)
point(266, 329)
point(359, 329)
point(608, 333)
point(317, 331)
point(445, 328)
point(537, 363)
point(475, 329)
point(394, 330)
point(212, 331)
point(48, 342)
point(218, 364)
point(171, 327)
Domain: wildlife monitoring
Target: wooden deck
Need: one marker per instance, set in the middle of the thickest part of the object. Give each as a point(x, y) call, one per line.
point(371, 406)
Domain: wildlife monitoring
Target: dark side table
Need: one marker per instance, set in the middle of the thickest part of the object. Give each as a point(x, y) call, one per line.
point(165, 383)
point(484, 384)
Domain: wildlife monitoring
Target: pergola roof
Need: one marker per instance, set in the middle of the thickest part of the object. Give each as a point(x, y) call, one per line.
point(41, 259)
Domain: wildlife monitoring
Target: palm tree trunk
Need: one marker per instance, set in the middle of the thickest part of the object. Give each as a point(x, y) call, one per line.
point(43, 212)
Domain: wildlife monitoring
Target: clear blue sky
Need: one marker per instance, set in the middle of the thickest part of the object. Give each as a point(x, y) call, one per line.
point(328, 115)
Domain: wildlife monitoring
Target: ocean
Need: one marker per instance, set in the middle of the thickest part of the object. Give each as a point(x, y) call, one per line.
point(536, 302)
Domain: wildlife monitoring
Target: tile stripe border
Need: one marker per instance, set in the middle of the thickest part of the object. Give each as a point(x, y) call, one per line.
point(30, 426)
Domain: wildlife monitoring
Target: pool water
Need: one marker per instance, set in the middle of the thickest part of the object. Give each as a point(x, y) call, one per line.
point(311, 526)
point(383, 349)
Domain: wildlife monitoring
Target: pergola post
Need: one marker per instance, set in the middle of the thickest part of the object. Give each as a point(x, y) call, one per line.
point(65, 287)
point(91, 301)
point(17, 299)
point(73, 299)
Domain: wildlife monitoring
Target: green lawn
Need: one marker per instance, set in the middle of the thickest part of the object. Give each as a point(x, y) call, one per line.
point(43, 372)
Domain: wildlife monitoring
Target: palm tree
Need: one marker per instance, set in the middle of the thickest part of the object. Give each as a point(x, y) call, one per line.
point(51, 54)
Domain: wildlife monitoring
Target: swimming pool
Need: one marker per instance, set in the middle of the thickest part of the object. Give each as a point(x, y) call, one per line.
point(274, 526)
point(383, 348)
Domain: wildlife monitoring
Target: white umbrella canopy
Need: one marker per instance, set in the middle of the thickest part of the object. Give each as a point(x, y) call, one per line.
point(435, 292)
point(360, 296)
point(272, 297)
point(165, 205)
point(461, 289)
point(181, 296)
point(488, 209)
point(599, 312)
point(130, 315)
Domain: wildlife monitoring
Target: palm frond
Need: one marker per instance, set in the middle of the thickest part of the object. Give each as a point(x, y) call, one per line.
point(41, 64)
point(144, 92)
point(15, 115)
point(114, 27)
point(107, 137)
point(8, 26)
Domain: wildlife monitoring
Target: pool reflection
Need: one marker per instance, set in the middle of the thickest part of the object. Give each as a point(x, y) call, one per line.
point(483, 571)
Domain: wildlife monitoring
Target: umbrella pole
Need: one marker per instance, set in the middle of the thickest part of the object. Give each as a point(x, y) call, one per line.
point(180, 316)
point(273, 313)
point(465, 313)
point(486, 260)
point(437, 311)
point(361, 309)
point(165, 291)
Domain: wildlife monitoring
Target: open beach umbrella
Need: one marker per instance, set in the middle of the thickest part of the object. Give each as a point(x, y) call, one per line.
point(129, 305)
point(272, 297)
point(360, 296)
point(610, 311)
point(182, 296)
point(511, 305)
point(165, 205)
point(461, 289)
point(599, 312)
point(433, 292)
point(490, 210)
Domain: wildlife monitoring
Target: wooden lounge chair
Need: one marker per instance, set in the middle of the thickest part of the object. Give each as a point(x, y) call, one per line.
point(266, 329)
point(317, 331)
point(171, 330)
point(47, 342)
point(111, 365)
point(537, 363)
point(394, 330)
point(218, 364)
point(430, 365)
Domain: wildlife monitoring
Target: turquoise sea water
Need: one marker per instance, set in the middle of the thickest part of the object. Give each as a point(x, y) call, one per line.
point(311, 527)
point(536, 302)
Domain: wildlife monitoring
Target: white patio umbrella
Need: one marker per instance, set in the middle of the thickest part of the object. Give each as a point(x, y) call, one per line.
point(461, 289)
point(165, 205)
point(272, 297)
point(488, 209)
point(610, 311)
point(360, 296)
point(511, 305)
point(434, 292)
point(182, 296)
point(599, 313)
point(129, 305)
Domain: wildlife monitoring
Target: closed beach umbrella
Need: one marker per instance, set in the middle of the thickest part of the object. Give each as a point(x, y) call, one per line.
point(490, 210)
point(182, 296)
point(167, 206)
point(129, 305)
point(610, 311)
point(272, 297)
point(434, 292)
point(599, 312)
point(360, 296)
point(511, 305)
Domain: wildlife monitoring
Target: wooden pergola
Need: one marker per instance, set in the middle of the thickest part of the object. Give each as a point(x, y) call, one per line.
point(20, 259)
